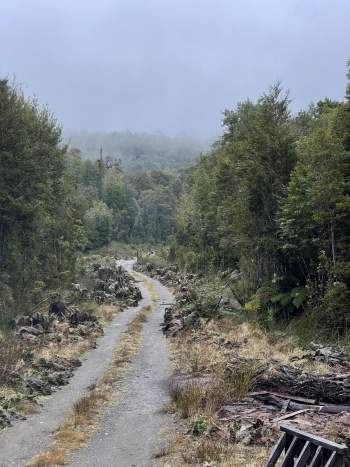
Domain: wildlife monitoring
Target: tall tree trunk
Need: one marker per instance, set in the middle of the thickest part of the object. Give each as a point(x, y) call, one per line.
point(333, 241)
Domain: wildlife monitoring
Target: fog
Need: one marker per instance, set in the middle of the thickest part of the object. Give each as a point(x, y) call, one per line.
point(170, 65)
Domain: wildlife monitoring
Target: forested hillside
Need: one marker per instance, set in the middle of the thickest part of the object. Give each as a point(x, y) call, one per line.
point(272, 201)
point(54, 205)
point(139, 151)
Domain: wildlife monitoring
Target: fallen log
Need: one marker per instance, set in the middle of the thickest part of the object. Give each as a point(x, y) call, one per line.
point(297, 406)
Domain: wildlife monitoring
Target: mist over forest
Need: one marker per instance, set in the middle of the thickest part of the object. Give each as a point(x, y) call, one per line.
point(139, 151)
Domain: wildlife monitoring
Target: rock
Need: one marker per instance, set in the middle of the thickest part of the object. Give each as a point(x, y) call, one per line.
point(324, 354)
point(29, 337)
point(39, 328)
point(59, 363)
point(30, 330)
point(5, 418)
point(38, 386)
point(59, 379)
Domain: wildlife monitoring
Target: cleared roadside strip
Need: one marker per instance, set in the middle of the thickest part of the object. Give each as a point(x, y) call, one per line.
point(78, 426)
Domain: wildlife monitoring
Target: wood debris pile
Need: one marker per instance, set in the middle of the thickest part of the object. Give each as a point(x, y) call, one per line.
point(319, 403)
point(324, 354)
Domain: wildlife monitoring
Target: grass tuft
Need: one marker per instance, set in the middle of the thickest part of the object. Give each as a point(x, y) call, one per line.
point(49, 458)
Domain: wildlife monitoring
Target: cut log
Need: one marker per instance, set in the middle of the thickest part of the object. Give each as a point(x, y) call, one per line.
point(295, 406)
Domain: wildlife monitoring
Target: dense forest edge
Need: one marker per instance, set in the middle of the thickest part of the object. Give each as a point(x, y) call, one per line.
point(268, 206)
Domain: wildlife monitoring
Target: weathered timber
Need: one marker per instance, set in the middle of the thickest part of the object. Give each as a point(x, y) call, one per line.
point(290, 415)
point(279, 402)
point(275, 377)
point(302, 449)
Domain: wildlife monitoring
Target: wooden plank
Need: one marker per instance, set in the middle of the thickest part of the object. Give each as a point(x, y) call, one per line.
point(284, 396)
point(285, 406)
point(257, 393)
point(290, 453)
point(277, 450)
point(295, 398)
point(333, 408)
point(304, 455)
point(339, 448)
point(317, 457)
point(290, 415)
point(332, 459)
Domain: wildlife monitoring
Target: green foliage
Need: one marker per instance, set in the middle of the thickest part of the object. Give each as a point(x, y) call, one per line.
point(142, 206)
point(273, 200)
point(40, 227)
point(229, 215)
point(200, 426)
point(98, 224)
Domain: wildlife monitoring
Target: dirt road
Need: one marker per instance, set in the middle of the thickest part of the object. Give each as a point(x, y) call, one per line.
point(128, 432)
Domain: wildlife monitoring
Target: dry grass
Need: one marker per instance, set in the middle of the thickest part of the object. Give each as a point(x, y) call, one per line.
point(71, 349)
point(49, 458)
point(257, 343)
point(204, 399)
point(208, 451)
point(11, 358)
point(78, 426)
point(185, 450)
point(202, 352)
point(190, 401)
point(197, 356)
point(107, 312)
point(66, 349)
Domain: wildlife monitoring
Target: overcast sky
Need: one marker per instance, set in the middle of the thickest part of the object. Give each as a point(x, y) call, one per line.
point(171, 65)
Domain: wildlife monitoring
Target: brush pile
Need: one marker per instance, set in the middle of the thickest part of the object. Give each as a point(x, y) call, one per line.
point(31, 359)
point(168, 276)
point(186, 311)
point(106, 282)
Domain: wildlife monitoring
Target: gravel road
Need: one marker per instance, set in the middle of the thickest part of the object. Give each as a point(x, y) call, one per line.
point(129, 430)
